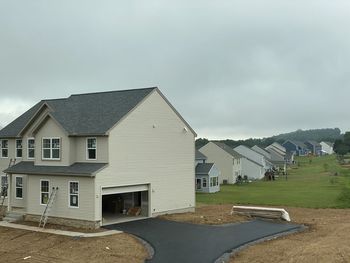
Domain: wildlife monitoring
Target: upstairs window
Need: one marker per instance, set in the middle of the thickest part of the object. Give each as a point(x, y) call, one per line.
point(19, 148)
point(91, 148)
point(51, 148)
point(31, 148)
point(4, 148)
point(73, 194)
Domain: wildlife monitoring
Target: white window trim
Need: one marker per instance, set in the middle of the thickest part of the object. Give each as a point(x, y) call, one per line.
point(87, 149)
point(40, 192)
point(5, 148)
point(200, 184)
point(206, 182)
point(69, 194)
point(30, 158)
point(42, 148)
point(1, 176)
point(18, 176)
point(18, 148)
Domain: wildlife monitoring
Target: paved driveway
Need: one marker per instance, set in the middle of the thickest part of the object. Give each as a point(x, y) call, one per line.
point(176, 242)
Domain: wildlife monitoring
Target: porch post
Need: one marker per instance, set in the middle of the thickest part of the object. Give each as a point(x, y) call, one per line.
point(9, 192)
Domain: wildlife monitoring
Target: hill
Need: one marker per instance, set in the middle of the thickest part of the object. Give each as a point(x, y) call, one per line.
point(327, 134)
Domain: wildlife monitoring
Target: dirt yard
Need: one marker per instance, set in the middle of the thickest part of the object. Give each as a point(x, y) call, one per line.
point(327, 240)
point(40, 247)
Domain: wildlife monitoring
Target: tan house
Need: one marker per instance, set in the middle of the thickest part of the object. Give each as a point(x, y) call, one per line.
point(108, 156)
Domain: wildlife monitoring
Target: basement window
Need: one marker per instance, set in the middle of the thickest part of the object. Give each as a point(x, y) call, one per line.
point(74, 194)
point(19, 187)
point(44, 191)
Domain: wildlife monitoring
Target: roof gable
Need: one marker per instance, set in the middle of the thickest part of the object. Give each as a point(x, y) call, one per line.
point(82, 114)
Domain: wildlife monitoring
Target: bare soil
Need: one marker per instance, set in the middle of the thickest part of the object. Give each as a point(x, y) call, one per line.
point(326, 240)
point(42, 247)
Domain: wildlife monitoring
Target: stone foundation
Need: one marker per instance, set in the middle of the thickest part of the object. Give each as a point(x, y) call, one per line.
point(65, 221)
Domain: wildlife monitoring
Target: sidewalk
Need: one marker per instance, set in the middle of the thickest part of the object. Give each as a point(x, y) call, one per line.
point(59, 232)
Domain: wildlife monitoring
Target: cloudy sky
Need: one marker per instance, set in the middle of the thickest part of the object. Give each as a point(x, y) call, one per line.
point(233, 69)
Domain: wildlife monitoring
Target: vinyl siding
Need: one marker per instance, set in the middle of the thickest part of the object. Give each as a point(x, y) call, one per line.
point(252, 170)
point(102, 149)
point(150, 146)
point(61, 207)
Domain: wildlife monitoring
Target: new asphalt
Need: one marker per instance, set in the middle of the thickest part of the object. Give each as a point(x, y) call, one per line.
point(175, 242)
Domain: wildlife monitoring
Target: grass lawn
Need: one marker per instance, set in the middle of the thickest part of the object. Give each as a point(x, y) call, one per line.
point(309, 184)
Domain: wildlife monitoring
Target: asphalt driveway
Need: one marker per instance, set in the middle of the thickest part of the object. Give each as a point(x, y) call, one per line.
point(175, 242)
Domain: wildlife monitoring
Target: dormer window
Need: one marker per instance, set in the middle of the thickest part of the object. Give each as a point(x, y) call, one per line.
point(51, 148)
point(91, 148)
point(4, 148)
point(19, 148)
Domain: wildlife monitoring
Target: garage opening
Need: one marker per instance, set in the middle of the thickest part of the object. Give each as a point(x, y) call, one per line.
point(123, 207)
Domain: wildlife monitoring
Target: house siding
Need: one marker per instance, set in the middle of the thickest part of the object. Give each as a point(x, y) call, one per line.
point(60, 206)
point(222, 160)
point(151, 146)
point(252, 170)
point(102, 149)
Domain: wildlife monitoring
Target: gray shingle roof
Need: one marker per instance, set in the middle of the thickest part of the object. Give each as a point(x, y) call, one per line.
point(84, 114)
point(76, 169)
point(204, 168)
point(228, 149)
point(200, 156)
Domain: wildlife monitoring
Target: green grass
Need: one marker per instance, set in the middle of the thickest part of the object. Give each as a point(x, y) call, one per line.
point(309, 184)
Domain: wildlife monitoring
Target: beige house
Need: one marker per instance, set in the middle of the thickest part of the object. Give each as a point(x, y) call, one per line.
point(107, 154)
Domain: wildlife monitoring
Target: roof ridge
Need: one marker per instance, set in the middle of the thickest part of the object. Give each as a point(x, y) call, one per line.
point(111, 91)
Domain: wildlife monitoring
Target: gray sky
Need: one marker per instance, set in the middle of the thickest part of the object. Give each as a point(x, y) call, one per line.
point(234, 69)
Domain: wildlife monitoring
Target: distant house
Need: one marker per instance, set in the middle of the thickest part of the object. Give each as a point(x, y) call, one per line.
point(207, 178)
point(277, 148)
point(257, 163)
point(225, 158)
point(327, 147)
point(271, 156)
point(296, 147)
point(200, 158)
point(314, 147)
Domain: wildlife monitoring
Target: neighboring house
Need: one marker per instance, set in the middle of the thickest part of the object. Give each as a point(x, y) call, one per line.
point(271, 156)
point(277, 148)
point(106, 152)
point(226, 160)
point(314, 147)
point(200, 158)
point(261, 165)
point(296, 147)
point(207, 178)
point(327, 147)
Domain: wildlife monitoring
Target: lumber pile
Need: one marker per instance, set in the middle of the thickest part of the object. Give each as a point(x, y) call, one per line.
point(264, 212)
point(134, 211)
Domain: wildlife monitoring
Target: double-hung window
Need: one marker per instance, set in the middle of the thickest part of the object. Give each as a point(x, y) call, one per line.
point(44, 191)
point(19, 148)
point(3, 185)
point(31, 148)
point(51, 148)
point(91, 148)
point(19, 187)
point(4, 148)
point(204, 182)
point(73, 194)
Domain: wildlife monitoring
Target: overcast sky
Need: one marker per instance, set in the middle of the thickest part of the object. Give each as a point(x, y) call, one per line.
point(233, 69)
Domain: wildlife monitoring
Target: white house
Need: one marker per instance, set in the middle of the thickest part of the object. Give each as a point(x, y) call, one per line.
point(257, 158)
point(327, 147)
point(103, 155)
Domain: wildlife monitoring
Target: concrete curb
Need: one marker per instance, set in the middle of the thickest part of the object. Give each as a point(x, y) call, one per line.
point(59, 232)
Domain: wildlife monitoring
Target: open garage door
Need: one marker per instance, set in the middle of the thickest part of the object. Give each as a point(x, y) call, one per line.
point(124, 203)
